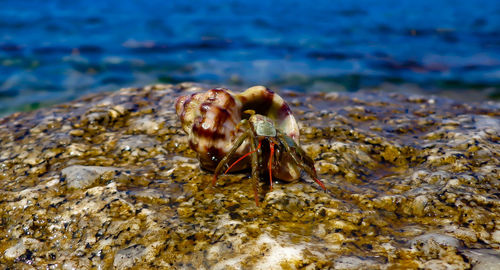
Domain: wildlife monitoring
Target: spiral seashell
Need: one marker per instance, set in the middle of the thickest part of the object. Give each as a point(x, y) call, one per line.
point(211, 120)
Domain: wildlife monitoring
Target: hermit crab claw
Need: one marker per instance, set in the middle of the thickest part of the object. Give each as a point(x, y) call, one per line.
point(225, 128)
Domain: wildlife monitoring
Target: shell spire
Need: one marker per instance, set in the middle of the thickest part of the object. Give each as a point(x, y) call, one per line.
point(210, 120)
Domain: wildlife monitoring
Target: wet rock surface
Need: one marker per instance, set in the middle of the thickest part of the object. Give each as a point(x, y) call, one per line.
point(109, 181)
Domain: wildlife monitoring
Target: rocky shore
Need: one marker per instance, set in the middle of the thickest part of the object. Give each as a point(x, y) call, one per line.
point(110, 181)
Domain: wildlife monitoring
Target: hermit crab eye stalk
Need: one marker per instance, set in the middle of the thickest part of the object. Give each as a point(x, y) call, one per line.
point(220, 131)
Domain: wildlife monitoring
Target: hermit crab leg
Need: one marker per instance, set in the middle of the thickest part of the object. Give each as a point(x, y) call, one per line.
point(255, 170)
point(270, 163)
point(233, 149)
point(299, 160)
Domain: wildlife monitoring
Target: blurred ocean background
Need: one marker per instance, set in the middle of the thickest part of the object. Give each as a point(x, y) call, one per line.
point(55, 51)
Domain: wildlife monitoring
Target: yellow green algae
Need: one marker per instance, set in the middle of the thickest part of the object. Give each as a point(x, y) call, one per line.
point(109, 181)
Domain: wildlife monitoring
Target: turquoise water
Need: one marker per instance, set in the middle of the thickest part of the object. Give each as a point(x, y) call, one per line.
point(60, 50)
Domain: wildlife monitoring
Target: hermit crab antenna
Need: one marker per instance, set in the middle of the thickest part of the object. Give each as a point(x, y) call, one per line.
point(319, 183)
point(242, 157)
point(270, 164)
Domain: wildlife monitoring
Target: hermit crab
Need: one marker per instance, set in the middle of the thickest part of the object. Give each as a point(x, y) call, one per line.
point(234, 131)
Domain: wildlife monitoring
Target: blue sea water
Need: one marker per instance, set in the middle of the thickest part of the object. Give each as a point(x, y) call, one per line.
point(54, 51)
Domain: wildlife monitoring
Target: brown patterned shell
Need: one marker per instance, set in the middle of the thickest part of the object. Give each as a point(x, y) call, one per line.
point(211, 118)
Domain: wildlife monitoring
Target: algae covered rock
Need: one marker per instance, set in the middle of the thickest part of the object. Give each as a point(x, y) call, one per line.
point(109, 181)
point(78, 176)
